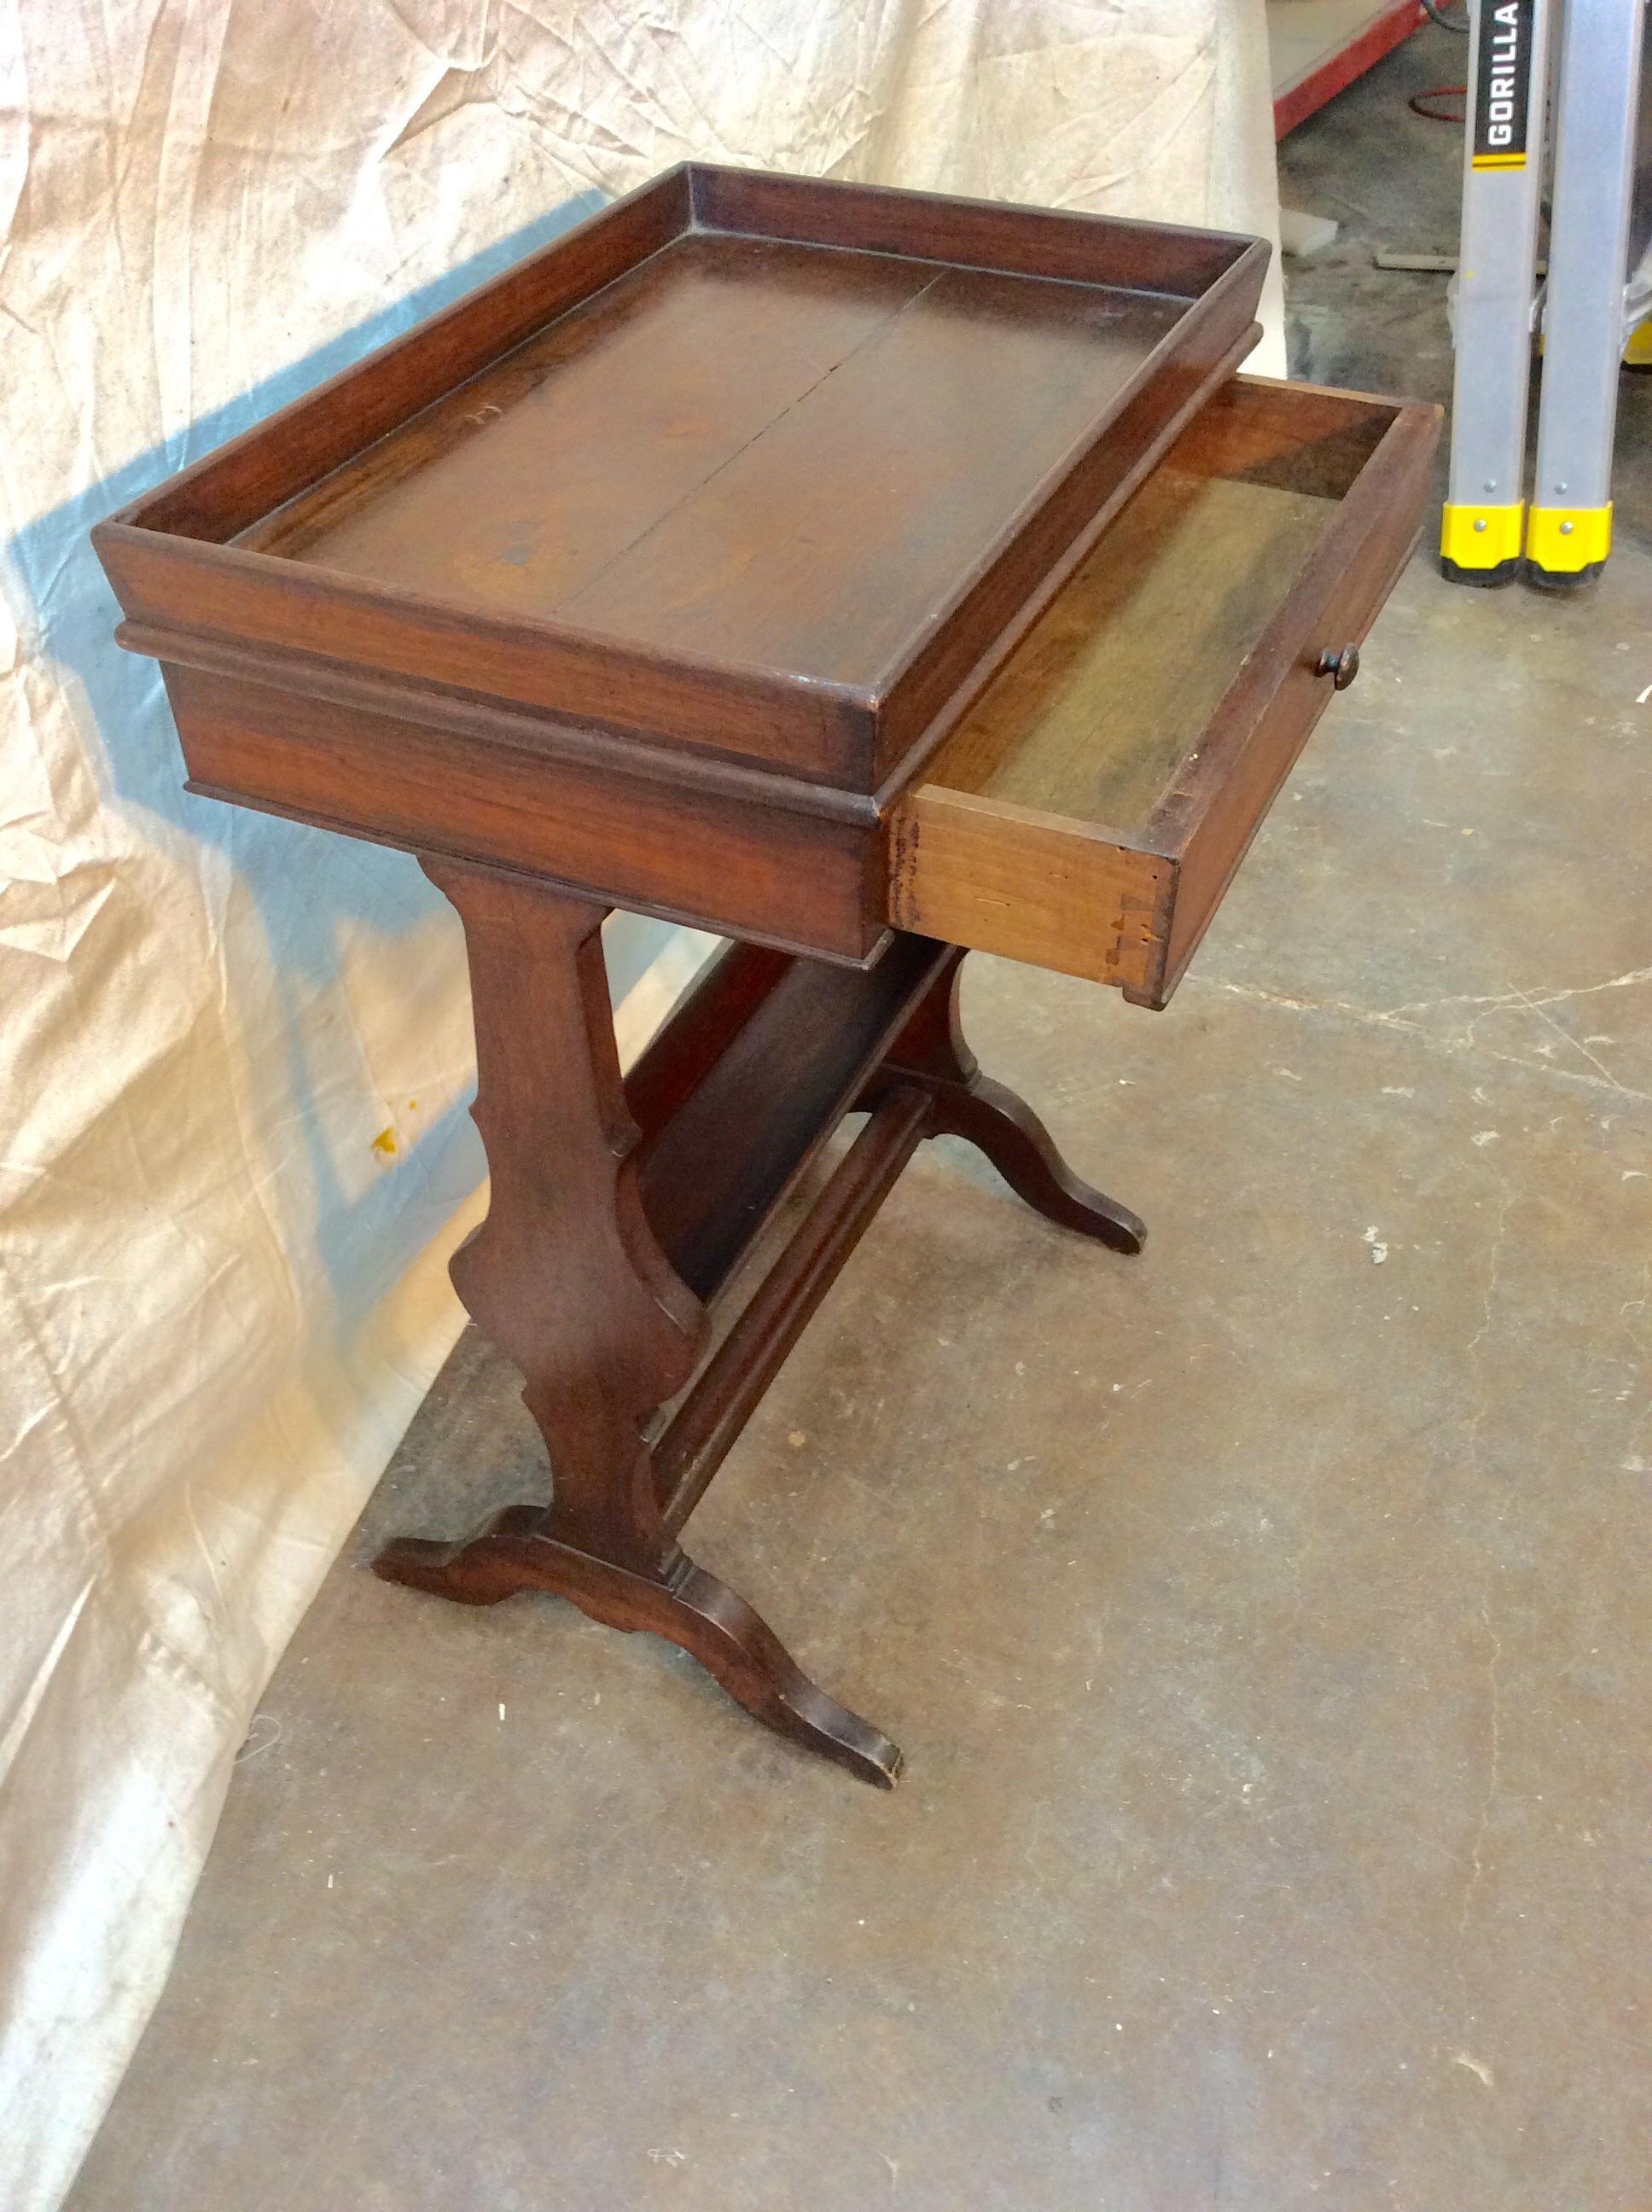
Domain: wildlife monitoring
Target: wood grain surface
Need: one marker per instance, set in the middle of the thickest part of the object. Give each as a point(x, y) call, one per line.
point(764, 453)
point(1113, 689)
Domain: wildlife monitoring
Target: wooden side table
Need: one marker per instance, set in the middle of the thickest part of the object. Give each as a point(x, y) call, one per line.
point(864, 576)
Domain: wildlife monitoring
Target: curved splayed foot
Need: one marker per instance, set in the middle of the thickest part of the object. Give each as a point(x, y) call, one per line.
point(677, 1601)
point(933, 1051)
point(736, 1644)
point(1004, 1126)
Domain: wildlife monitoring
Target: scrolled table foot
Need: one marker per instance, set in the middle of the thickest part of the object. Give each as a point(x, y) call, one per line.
point(1001, 1124)
point(735, 1644)
point(933, 1051)
point(481, 1569)
point(672, 1598)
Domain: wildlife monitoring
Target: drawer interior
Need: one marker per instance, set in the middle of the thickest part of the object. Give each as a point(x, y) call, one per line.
point(1138, 733)
point(1113, 689)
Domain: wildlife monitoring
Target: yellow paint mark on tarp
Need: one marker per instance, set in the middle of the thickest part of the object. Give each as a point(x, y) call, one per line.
point(385, 1144)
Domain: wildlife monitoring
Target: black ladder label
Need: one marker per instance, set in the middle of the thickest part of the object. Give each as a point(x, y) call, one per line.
point(1502, 83)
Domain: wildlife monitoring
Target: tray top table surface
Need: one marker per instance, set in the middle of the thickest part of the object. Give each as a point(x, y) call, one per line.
point(779, 455)
point(771, 467)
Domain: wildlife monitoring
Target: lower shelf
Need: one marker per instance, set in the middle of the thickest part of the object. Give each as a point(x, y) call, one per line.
point(747, 1081)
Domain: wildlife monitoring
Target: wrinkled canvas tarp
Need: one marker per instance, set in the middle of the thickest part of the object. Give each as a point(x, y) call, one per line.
point(234, 1062)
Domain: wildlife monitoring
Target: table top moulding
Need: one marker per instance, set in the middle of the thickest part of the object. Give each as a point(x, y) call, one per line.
point(771, 470)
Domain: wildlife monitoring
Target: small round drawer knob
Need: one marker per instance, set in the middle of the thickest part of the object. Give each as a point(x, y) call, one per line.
point(1341, 667)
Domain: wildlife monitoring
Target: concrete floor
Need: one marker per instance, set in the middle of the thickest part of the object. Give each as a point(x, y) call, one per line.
point(1260, 1617)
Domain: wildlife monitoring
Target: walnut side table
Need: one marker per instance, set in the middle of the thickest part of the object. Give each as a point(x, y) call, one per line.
point(864, 575)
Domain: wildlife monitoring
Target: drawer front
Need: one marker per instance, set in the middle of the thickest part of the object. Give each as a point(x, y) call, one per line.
point(1001, 846)
point(1054, 892)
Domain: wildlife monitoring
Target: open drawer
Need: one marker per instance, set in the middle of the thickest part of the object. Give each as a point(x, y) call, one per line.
point(1089, 811)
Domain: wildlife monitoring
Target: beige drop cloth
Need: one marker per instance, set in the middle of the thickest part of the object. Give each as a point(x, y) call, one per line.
point(234, 1054)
